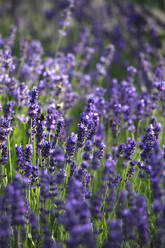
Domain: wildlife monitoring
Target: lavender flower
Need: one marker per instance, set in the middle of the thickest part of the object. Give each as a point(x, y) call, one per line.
point(71, 144)
point(115, 237)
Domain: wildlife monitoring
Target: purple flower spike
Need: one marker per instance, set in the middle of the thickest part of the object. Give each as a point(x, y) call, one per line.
point(71, 144)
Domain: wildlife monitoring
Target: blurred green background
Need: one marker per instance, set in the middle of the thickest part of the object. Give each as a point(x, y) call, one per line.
point(155, 3)
point(39, 19)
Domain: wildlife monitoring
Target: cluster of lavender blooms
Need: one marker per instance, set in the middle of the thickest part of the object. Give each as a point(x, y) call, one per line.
point(82, 148)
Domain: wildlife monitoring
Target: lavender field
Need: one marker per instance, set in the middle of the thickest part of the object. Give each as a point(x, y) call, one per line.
point(82, 124)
